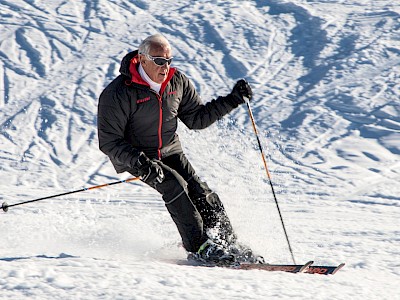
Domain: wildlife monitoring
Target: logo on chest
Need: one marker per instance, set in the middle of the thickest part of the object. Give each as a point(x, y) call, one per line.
point(142, 100)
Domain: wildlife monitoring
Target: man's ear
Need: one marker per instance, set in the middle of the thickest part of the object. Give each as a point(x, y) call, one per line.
point(141, 60)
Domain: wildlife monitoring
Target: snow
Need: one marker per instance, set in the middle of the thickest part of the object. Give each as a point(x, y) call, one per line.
point(326, 80)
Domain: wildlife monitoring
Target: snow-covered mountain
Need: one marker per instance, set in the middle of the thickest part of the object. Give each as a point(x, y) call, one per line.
point(325, 75)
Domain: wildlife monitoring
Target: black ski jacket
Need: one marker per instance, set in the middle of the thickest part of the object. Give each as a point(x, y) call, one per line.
point(134, 118)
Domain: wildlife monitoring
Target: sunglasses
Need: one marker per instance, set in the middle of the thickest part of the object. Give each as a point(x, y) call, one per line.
point(159, 61)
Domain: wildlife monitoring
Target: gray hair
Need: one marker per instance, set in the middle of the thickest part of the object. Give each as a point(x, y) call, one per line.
point(155, 39)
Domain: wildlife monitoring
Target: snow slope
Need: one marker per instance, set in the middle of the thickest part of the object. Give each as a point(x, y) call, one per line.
point(326, 80)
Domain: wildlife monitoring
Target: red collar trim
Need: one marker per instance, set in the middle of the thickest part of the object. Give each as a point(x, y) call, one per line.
point(136, 78)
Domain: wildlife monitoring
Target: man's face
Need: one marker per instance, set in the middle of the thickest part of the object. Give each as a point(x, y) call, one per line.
point(156, 73)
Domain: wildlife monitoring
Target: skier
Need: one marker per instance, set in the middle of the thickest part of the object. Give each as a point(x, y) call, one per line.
point(137, 123)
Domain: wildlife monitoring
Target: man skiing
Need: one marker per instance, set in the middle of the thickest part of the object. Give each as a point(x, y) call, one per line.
point(137, 121)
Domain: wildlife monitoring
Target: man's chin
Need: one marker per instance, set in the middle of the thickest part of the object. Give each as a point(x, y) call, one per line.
point(161, 78)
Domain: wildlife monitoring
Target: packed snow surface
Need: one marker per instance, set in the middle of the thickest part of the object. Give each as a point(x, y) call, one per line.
point(325, 76)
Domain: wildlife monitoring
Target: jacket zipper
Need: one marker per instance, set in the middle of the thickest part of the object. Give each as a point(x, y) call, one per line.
point(160, 127)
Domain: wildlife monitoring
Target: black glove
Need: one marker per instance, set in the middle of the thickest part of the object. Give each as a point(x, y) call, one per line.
point(241, 90)
point(149, 170)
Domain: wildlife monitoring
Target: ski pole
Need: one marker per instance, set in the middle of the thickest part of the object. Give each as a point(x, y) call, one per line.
point(269, 177)
point(6, 206)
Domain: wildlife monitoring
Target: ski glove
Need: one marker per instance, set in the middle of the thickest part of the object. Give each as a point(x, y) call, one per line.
point(241, 90)
point(149, 170)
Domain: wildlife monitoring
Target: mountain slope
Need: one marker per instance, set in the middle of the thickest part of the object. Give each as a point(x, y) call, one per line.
point(325, 77)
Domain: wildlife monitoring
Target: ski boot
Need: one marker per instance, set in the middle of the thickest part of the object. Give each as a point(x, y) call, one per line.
point(244, 254)
point(211, 253)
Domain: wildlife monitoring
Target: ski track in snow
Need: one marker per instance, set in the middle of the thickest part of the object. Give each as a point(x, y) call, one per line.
point(326, 80)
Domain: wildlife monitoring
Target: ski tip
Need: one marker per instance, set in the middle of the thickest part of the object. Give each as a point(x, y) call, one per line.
point(306, 266)
point(338, 268)
point(323, 270)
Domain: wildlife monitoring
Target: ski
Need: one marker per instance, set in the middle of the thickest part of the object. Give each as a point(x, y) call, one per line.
point(275, 267)
point(324, 270)
point(307, 268)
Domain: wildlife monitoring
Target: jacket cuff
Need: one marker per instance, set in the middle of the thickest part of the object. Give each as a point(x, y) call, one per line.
point(232, 100)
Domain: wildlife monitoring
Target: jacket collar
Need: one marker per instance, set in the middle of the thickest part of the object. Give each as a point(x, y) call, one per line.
point(129, 68)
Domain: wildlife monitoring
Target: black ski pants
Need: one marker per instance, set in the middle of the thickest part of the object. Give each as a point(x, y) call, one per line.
point(193, 206)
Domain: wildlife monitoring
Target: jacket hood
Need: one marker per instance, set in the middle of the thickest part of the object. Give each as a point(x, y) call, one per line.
point(126, 62)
